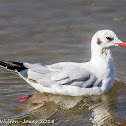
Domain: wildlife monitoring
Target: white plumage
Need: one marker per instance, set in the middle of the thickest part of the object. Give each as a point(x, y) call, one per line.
point(69, 78)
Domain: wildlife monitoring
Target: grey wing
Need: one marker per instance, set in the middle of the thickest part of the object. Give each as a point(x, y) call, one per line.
point(76, 76)
point(61, 75)
point(37, 73)
point(37, 67)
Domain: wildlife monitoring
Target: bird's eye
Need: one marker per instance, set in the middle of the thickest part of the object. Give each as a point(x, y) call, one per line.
point(109, 38)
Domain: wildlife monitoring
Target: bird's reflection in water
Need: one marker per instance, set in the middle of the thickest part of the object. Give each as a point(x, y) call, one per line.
point(68, 110)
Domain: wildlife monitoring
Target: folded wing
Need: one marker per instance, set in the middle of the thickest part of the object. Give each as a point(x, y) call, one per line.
point(61, 75)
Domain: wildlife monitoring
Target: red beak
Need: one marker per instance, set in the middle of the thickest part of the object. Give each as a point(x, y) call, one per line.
point(122, 44)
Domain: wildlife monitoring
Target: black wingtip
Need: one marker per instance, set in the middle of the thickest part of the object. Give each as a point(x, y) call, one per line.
point(12, 66)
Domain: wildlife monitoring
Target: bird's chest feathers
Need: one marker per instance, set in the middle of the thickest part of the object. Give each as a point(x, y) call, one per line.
point(108, 70)
point(104, 64)
point(108, 65)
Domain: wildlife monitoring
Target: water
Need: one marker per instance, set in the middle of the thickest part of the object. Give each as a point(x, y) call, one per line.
point(49, 31)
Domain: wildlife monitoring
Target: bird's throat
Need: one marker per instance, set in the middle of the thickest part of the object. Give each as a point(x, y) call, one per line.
point(100, 57)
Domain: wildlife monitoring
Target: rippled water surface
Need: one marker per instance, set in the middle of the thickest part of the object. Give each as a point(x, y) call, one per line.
point(50, 31)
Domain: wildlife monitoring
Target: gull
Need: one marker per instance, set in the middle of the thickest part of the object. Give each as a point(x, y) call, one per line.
point(94, 77)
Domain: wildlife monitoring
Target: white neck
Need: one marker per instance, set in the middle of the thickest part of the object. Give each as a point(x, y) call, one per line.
point(99, 56)
point(102, 60)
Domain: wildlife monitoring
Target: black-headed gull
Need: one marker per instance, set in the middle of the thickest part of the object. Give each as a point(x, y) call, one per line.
point(69, 78)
